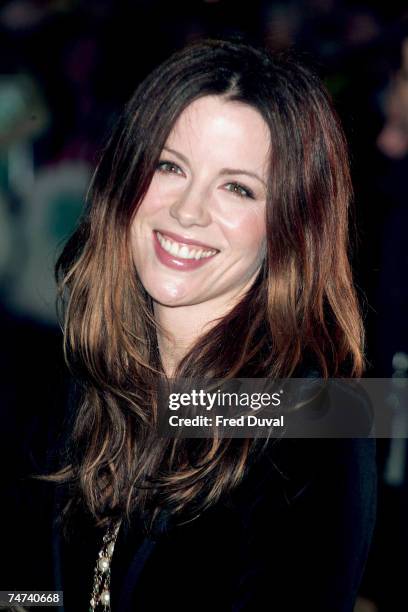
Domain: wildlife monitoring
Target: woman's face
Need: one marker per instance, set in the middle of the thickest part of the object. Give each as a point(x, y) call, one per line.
point(199, 234)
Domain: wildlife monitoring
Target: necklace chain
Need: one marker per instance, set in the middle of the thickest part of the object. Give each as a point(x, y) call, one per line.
point(100, 598)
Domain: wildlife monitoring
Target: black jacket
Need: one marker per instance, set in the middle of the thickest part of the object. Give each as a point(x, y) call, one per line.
point(293, 536)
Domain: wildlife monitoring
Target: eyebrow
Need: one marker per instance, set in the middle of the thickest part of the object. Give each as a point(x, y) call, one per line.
point(224, 171)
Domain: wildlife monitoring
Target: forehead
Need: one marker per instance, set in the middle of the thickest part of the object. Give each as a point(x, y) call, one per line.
point(218, 127)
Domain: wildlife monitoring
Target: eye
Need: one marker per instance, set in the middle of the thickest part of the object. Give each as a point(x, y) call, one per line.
point(240, 190)
point(168, 167)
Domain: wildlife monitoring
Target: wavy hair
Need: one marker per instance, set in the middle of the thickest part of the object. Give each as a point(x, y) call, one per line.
point(302, 303)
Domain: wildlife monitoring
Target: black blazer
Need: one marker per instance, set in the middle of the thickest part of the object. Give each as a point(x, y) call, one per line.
point(293, 536)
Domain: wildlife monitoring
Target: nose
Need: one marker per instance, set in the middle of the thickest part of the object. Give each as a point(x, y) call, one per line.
point(191, 208)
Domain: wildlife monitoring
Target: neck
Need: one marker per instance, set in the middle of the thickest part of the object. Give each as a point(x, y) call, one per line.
point(183, 325)
point(182, 329)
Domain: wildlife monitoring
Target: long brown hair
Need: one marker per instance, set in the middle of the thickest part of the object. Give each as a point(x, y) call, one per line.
point(302, 303)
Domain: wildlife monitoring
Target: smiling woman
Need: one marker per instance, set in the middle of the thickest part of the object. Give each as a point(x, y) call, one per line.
point(214, 244)
point(202, 217)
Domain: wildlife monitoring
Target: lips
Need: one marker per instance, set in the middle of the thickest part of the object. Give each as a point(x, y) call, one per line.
point(181, 253)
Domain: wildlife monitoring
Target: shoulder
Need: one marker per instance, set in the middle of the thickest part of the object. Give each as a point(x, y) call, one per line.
point(309, 510)
point(290, 468)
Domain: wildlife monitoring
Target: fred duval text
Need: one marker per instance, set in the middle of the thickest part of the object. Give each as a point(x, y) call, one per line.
point(221, 421)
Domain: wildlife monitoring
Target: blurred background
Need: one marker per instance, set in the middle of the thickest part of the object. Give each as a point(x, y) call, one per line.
point(66, 69)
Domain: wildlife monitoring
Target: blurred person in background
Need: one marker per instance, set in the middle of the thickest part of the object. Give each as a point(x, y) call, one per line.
point(385, 582)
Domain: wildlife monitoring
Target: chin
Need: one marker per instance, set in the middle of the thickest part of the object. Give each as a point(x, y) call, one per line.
point(167, 293)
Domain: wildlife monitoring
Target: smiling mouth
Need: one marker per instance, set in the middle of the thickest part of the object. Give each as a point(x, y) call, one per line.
point(183, 251)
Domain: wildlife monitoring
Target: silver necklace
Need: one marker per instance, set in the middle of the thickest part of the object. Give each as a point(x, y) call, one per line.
point(100, 598)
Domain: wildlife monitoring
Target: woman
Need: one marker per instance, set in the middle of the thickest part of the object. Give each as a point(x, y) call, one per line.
point(214, 245)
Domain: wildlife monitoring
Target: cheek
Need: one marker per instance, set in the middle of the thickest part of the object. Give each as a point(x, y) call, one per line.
point(159, 196)
point(150, 205)
point(247, 231)
point(154, 200)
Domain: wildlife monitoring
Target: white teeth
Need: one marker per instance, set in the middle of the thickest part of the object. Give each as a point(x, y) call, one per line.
point(174, 249)
point(182, 251)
